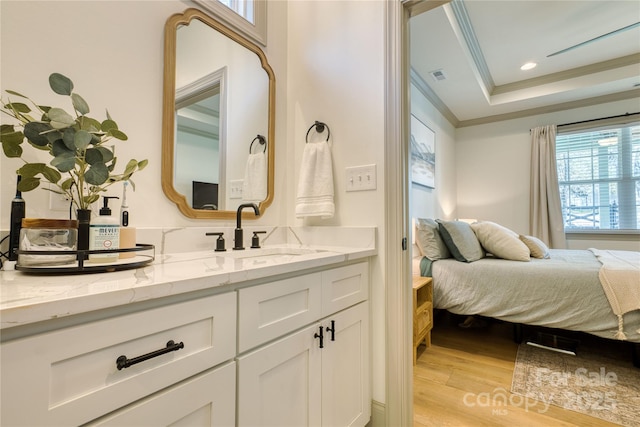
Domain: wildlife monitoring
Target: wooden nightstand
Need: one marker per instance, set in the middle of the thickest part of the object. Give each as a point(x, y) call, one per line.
point(422, 312)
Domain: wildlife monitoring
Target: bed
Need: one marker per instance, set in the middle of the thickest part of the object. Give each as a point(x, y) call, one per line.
point(561, 289)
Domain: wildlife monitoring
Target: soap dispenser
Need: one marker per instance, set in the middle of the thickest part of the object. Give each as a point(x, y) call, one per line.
point(104, 233)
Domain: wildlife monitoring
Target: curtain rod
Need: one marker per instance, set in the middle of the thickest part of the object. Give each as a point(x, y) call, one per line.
point(601, 118)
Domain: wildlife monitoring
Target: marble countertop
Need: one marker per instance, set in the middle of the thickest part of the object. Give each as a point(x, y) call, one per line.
point(29, 298)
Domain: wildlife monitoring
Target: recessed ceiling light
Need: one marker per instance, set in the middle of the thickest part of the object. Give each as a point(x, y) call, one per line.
point(528, 66)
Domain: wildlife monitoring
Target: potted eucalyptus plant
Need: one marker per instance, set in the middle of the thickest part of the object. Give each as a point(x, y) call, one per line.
point(83, 159)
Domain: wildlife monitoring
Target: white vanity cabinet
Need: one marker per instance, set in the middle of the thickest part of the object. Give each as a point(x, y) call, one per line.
point(295, 380)
point(70, 376)
point(245, 355)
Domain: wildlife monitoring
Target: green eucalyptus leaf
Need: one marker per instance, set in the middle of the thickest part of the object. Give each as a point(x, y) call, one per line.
point(107, 155)
point(6, 128)
point(80, 104)
point(60, 84)
point(131, 167)
point(66, 184)
point(11, 136)
point(52, 175)
point(13, 92)
point(11, 148)
point(93, 156)
point(91, 198)
point(89, 124)
point(19, 107)
point(28, 184)
point(60, 119)
point(29, 170)
point(82, 139)
point(118, 134)
point(33, 132)
point(107, 125)
point(53, 135)
point(44, 108)
point(133, 184)
point(59, 148)
point(64, 162)
point(68, 137)
point(97, 174)
point(142, 164)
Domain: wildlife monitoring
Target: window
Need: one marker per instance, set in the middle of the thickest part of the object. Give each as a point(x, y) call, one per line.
point(248, 17)
point(243, 8)
point(599, 177)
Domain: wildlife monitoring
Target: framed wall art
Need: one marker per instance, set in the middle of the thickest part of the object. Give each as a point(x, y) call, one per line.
point(423, 154)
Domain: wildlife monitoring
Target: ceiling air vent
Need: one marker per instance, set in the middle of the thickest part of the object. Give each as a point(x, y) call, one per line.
point(438, 75)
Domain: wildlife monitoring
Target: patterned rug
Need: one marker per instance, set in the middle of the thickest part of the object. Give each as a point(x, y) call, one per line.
point(594, 382)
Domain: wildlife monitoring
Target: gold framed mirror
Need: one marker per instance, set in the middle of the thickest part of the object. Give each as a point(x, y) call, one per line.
point(219, 98)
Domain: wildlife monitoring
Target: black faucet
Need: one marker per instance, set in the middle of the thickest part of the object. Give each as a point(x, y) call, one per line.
point(238, 237)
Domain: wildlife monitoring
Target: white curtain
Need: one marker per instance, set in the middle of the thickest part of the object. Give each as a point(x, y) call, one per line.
point(545, 214)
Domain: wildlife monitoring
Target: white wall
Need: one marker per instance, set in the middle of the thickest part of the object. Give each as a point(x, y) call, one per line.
point(493, 166)
point(328, 59)
point(113, 52)
point(336, 75)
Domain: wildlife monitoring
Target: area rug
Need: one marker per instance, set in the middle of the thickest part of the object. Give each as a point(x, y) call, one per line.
point(592, 382)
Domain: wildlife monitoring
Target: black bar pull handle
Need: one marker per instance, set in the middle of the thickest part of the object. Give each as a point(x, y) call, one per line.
point(332, 329)
point(122, 361)
point(320, 335)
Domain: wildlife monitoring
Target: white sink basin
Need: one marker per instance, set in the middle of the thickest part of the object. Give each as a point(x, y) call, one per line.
point(267, 253)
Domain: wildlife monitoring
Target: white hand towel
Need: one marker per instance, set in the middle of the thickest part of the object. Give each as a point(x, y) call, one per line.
point(315, 187)
point(254, 187)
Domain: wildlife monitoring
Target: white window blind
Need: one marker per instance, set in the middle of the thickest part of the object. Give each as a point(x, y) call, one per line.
point(599, 177)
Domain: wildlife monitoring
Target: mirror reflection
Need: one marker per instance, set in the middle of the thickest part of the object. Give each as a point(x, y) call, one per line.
point(219, 92)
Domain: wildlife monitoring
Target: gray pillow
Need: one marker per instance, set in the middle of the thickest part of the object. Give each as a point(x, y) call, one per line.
point(429, 241)
point(460, 240)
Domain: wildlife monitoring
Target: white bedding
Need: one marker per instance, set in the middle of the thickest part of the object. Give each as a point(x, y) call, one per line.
point(561, 292)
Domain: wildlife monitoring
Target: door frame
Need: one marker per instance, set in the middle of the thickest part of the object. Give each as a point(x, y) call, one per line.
point(399, 319)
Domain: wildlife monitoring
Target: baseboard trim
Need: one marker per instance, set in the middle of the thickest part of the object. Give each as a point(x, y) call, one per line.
point(378, 411)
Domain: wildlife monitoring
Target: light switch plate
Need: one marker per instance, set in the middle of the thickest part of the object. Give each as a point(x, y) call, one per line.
point(361, 178)
point(58, 202)
point(235, 189)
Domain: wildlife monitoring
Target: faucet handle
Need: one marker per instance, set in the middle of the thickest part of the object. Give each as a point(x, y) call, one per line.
point(219, 241)
point(255, 240)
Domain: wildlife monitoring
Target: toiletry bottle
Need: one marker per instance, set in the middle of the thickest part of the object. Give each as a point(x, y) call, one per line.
point(17, 213)
point(127, 234)
point(104, 233)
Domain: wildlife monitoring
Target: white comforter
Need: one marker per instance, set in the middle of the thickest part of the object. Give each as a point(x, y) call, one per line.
point(561, 292)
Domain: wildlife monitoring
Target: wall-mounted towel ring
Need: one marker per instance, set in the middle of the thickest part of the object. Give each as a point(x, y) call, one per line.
point(262, 140)
point(320, 127)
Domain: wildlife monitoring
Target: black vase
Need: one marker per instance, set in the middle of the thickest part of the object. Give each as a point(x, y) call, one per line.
point(84, 218)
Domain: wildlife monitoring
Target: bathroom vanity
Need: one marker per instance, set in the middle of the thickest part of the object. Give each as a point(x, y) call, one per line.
point(272, 336)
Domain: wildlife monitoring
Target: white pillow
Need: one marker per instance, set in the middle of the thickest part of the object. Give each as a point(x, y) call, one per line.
point(500, 241)
point(536, 246)
point(429, 241)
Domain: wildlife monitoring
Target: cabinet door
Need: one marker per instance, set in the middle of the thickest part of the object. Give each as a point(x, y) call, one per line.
point(279, 384)
point(207, 400)
point(346, 395)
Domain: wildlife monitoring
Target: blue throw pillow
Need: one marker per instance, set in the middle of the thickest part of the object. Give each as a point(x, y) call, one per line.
point(460, 240)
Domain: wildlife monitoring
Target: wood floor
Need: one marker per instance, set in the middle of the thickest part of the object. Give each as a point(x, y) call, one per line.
point(455, 377)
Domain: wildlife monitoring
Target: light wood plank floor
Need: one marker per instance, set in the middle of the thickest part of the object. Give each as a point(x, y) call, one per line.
point(464, 364)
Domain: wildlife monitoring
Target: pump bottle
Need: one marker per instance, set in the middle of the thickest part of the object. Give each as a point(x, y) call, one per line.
point(17, 214)
point(104, 233)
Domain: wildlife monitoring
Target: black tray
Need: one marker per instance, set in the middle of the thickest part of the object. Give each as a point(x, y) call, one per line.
point(82, 266)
